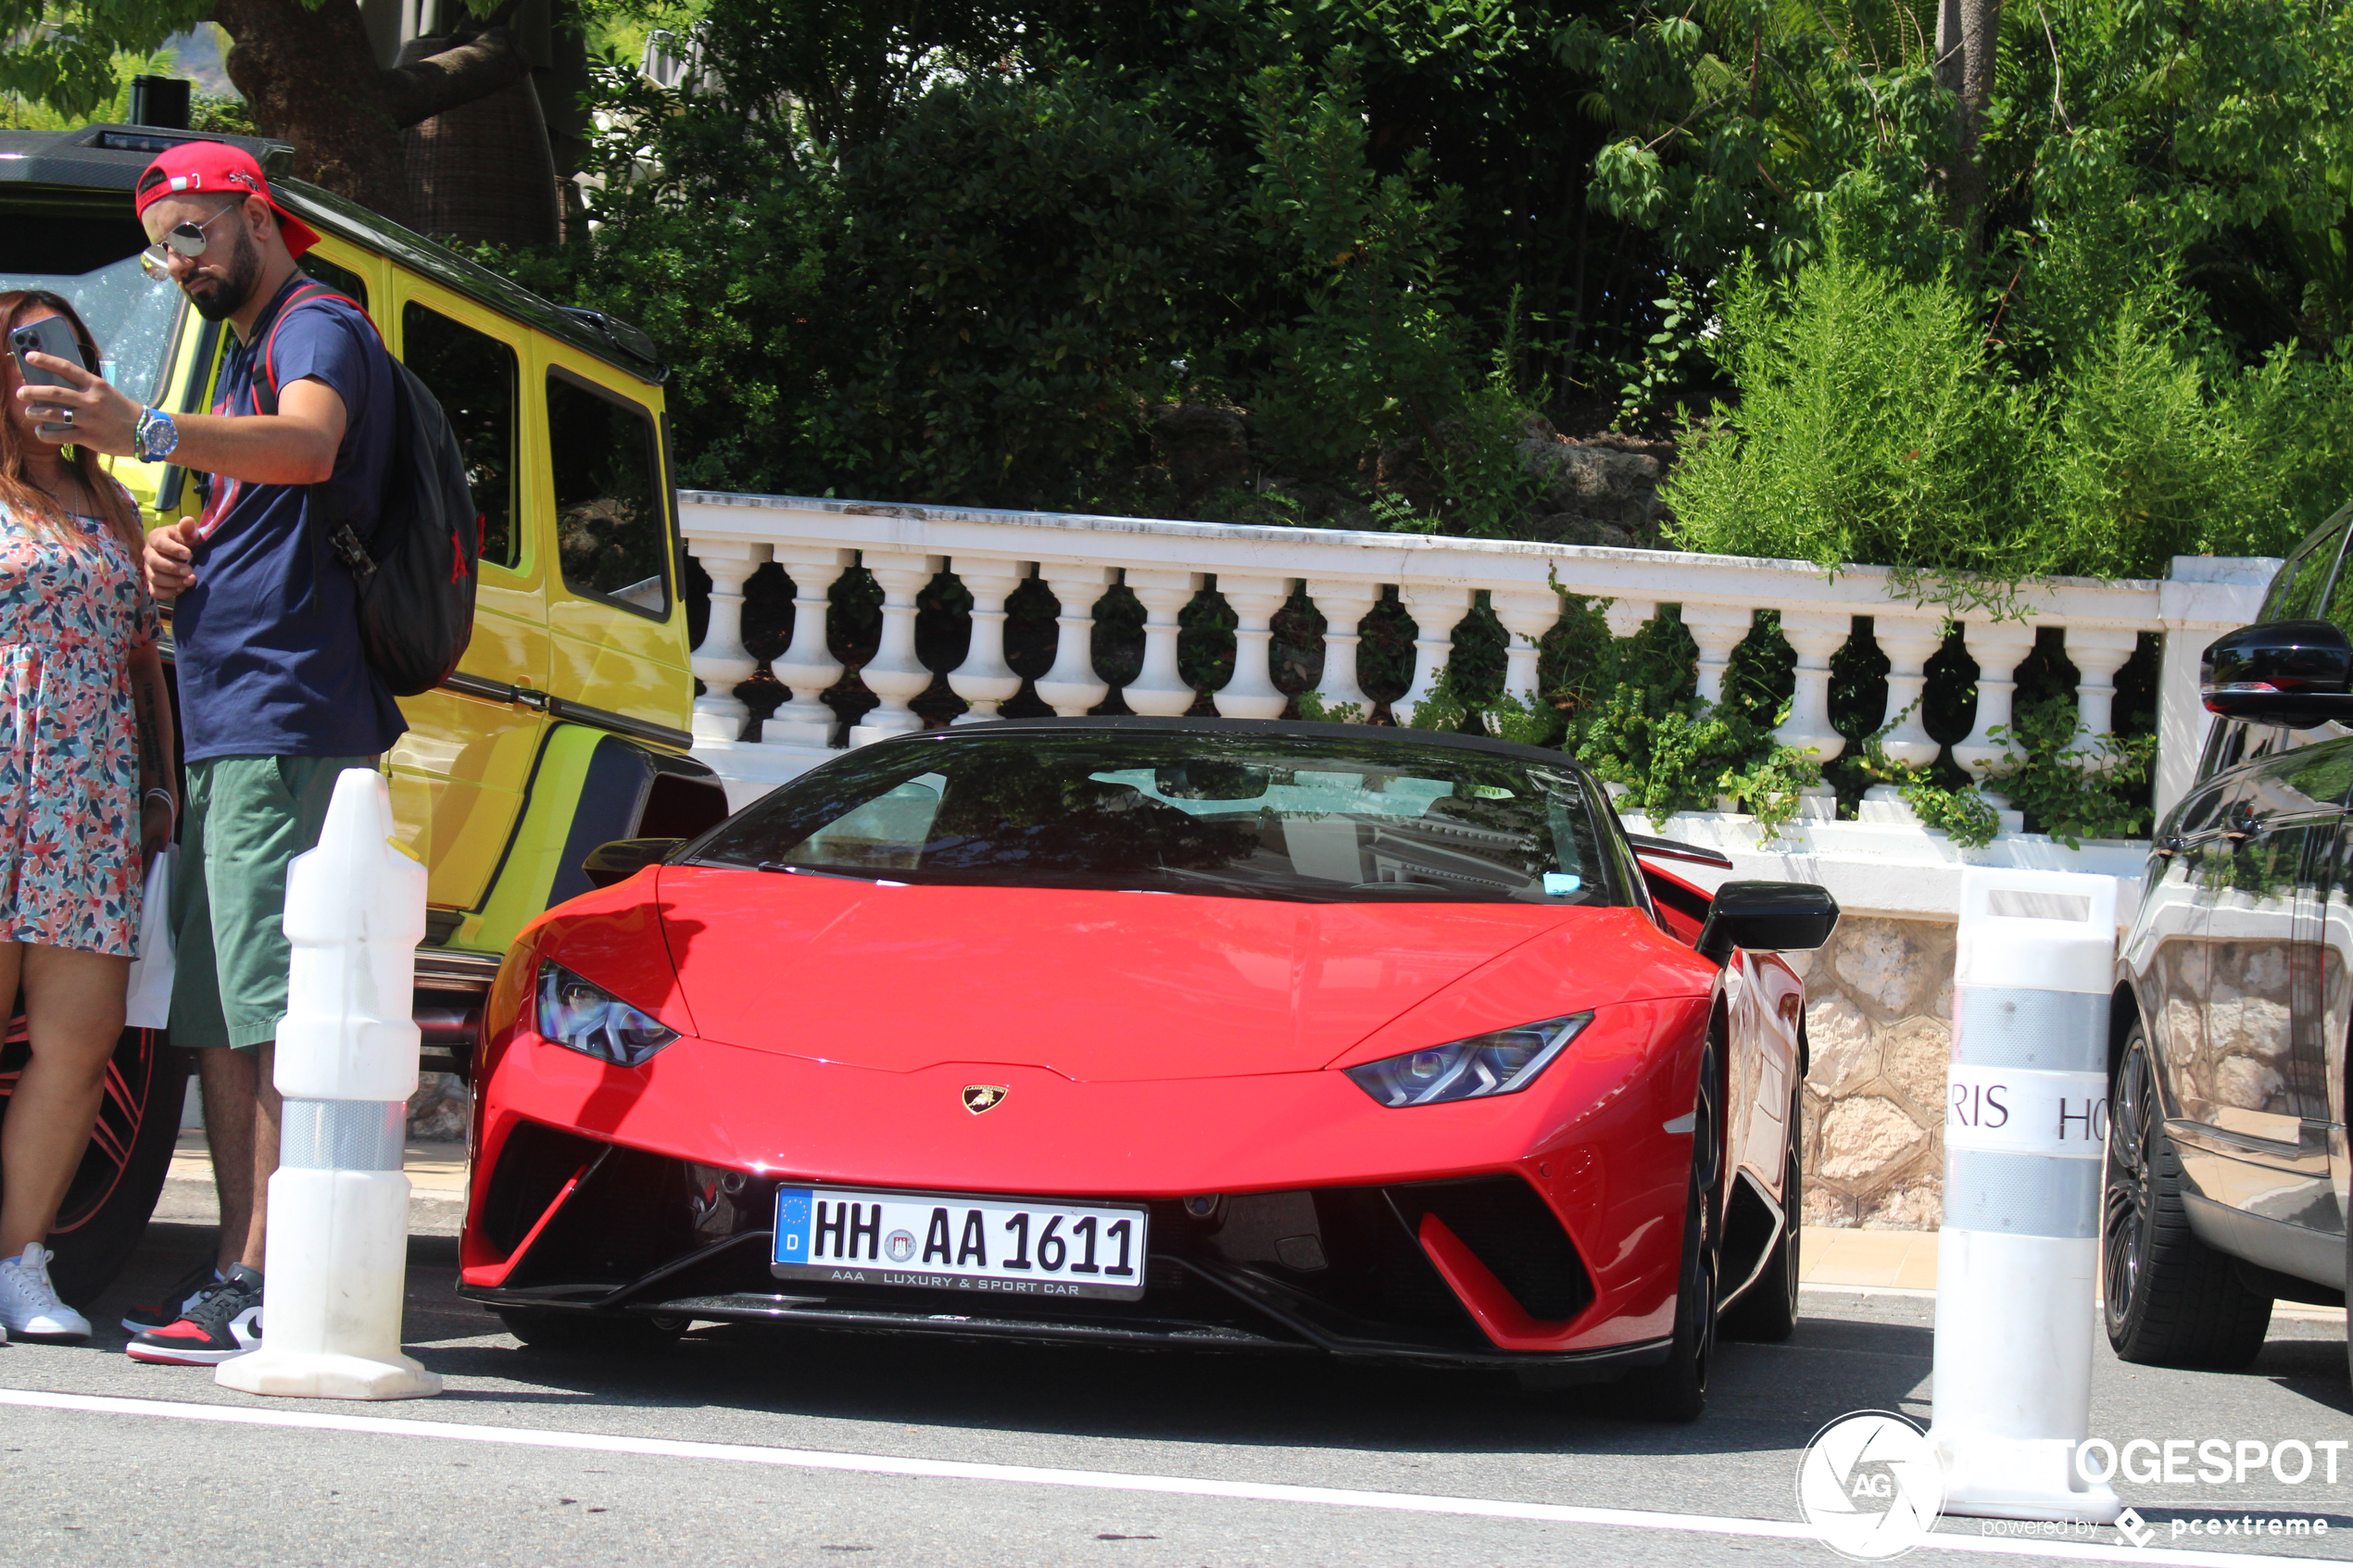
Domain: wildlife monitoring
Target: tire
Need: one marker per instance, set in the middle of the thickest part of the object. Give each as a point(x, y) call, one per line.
point(1677, 1388)
point(541, 1330)
point(1768, 1314)
point(2169, 1299)
point(114, 1191)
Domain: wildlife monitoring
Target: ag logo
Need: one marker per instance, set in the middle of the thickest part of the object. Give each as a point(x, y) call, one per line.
point(1870, 1486)
point(983, 1096)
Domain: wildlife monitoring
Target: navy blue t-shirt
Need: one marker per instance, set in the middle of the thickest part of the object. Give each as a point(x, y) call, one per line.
point(267, 640)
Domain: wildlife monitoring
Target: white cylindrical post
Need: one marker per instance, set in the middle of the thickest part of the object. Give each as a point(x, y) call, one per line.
point(1251, 693)
point(1718, 629)
point(895, 674)
point(1815, 636)
point(720, 662)
point(1433, 644)
point(1071, 687)
point(346, 1064)
point(984, 679)
point(807, 666)
point(1909, 642)
point(1343, 606)
point(2018, 1256)
point(1526, 615)
point(1158, 691)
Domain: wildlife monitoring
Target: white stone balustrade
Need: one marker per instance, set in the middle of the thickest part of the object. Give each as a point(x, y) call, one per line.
point(1437, 580)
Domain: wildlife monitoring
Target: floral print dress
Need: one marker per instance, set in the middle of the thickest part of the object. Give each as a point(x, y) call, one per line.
point(72, 608)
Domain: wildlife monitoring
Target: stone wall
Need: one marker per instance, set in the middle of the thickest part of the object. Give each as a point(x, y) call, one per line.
point(1879, 1017)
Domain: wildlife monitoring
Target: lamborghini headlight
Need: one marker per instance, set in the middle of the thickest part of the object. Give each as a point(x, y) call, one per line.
point(1502, 1063)
point(584, 1018)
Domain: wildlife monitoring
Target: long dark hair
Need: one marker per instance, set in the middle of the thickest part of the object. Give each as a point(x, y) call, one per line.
point(18, 492)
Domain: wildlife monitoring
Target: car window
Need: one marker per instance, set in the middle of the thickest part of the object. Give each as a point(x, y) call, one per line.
point(133, 320)
point(610, 537)
point(342, 280)
point(2299, 590)
point(475, 378)
point(1176, 811)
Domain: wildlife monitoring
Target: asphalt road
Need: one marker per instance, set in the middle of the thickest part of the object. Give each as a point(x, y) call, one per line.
point(803, 1447)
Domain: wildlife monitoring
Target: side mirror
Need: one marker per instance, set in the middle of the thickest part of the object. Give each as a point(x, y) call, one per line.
point(625, 858)
point(2292, 673)
point(1766, 917)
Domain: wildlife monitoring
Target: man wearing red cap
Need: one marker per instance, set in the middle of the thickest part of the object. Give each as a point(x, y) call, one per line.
point(276, 694)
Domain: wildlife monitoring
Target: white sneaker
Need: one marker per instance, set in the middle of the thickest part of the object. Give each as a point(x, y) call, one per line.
point(28, 1304)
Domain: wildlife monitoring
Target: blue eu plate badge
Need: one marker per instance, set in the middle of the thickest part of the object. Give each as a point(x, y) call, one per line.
point(792, 1226)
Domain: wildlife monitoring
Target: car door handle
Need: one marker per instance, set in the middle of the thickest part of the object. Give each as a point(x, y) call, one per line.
point(2170, 845)
point(2240, 828)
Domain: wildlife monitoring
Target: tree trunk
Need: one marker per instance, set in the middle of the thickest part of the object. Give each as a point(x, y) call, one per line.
point(1967, 31)
point(311, 78)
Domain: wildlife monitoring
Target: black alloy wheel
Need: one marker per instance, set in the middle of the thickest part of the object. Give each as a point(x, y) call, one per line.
point(1768, 1313)
point(2166, 1298)
point(546, 1330)
point(113, 1191)
point(1677, 1388)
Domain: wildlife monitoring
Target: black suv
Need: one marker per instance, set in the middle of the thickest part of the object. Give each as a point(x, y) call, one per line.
point(2227, 1177)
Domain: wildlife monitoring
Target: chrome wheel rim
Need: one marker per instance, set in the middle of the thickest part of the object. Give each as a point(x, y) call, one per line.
point(2126, 1206)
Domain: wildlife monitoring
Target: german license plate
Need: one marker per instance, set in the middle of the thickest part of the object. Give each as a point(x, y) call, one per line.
point(941, 1241)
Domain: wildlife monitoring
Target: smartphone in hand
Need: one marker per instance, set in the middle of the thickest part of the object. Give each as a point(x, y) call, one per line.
point(52, 335)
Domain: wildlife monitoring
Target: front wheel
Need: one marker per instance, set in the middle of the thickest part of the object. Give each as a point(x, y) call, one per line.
point(114, 1190)
point(2169, 1299)
point(1677, 1388)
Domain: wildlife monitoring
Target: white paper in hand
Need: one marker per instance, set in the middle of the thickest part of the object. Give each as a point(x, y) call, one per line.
point(148, 1005)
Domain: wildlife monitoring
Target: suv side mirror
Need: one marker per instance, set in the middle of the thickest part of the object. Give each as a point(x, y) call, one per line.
point(2293, 672)
point(625, 858)
point(1766, 917)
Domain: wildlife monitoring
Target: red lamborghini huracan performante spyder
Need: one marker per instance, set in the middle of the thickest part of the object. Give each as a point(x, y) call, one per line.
point(1182, 1033)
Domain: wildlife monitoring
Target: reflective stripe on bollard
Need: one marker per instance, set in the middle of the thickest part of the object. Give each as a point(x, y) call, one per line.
point(346, 1064)
point(2018, 1250)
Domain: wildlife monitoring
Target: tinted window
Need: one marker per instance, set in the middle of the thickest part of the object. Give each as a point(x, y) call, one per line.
point(1171, 811)
point(2296, 592)
point(133, 318)
point(342, 280)
point(610, 509)
point(475, 377)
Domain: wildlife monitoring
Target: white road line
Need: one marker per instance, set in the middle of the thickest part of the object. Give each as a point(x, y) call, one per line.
point(1100, 1480)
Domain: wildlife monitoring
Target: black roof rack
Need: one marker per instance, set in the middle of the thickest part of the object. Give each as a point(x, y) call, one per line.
point(110, 157)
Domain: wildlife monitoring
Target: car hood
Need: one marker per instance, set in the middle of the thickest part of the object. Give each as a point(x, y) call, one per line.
point(1094, 986)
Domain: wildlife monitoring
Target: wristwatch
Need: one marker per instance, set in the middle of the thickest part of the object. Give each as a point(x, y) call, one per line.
point(156, 437)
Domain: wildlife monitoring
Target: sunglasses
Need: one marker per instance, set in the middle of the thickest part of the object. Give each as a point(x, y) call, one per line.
point(187, 239)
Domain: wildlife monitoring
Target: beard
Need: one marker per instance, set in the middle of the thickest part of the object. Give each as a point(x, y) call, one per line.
point(218, 297)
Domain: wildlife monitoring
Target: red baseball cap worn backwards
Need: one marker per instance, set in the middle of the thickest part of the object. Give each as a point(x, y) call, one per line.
point(217, 168)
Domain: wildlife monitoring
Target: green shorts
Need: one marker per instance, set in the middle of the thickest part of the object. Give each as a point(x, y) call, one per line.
point(244, 820)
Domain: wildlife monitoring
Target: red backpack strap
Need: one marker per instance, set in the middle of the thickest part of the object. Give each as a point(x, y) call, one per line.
point(308, 291)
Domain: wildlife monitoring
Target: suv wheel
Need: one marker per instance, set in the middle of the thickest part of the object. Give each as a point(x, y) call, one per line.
point(2169, 1298)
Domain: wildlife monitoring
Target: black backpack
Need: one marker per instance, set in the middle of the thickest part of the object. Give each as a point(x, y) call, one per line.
point(417, 575)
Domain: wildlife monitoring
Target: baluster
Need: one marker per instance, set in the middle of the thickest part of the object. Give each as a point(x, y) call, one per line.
point(1433, 644)
point(1343, 606)
point(1158, 689)
point(1251, 693)
point(1718, 629)
point(1626, 617)
point(1909, 642)
point(1071, 687)
point(895, 674)
point(808, 667)
point(984, 679)
point(1527, 614)
point(2098, 653)
point(1815, 636)
point(720, 660)
point(1999, 647)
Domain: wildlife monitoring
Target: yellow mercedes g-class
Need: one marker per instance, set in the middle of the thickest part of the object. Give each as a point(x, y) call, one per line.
point(565, 726)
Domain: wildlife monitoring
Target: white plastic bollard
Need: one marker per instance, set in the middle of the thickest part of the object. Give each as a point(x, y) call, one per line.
point(2018, 1255)
point(346, 1064)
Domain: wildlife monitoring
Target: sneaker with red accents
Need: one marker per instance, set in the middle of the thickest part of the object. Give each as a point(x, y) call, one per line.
point(178, 1300)
point(225, 1322)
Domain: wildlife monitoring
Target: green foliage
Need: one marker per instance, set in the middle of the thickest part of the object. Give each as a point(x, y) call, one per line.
point(2101, 791)
point(64, 56)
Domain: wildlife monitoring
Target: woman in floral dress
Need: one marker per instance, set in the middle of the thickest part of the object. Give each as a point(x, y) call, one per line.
point(85, 788)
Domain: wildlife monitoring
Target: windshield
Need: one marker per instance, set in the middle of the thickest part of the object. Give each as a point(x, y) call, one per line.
point(133, 318)
point(1175, 811)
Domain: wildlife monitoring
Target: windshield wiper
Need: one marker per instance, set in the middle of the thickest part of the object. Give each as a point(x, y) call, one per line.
point(811, 871)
